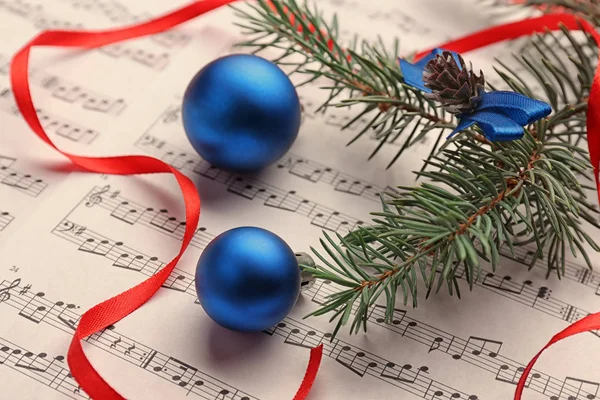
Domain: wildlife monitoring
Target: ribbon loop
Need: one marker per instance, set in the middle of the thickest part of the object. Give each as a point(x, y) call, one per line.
point(521, 109)
point(118, 307)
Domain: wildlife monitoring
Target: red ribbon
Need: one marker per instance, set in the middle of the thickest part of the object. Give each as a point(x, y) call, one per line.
point(116, 308)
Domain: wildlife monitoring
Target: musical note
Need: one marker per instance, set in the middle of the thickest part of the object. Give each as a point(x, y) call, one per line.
point(5, 219)
point(24, 9)
point(156, 61)
point(505, 284)
point(69, 321)
point(27, 362)
point(247, 190)
point(306, 171)
point(185, 372)
point(171, 39)
point(573, 388)
point(43, 22)
point(505, 375)
point(301, 339)
point(356, 188)
point(177, 283)
point(35, 310)
point(6, 162)
point(104, 104)
point(319, 215)
point(405, 374)
point(23, 182)
point(73, 93)
point(128, 213)
point(165, 222)
point(150, 141)
point(37, 365)
point(66, 129)
point(435, 344)
point(357, 363)
point(178, 160)
point(480, 352)
point(128, 262)
point(480, 346)
point(290, 201)
point(101, 248)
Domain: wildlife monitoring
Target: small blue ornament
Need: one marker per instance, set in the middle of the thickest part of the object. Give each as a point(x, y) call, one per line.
point(241, 113)
point(501, 115)
point(247, 279)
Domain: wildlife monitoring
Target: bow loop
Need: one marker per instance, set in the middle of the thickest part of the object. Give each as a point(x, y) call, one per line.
point(501, 115)
point(521, 109)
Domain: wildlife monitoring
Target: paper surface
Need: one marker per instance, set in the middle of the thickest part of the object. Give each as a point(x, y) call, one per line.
point(69, 239)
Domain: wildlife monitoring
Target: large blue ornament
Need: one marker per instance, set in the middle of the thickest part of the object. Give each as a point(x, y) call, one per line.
point(247, 279)
point(501, 115)
point(241, 113)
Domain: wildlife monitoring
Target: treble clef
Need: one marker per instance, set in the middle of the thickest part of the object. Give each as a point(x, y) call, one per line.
point(96, 197)
point(5, 292)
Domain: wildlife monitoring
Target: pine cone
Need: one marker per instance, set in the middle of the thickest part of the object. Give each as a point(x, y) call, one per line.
point(457, 88)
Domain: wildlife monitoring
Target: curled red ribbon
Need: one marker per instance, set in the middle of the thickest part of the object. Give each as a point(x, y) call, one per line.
point(116, 308)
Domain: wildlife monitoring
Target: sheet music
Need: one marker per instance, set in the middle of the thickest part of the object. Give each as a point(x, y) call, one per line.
point(70, 239)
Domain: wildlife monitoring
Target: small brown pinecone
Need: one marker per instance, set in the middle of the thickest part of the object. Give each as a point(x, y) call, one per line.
point(457, 88)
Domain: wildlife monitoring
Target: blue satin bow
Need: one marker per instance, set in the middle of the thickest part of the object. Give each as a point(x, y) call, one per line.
point(500, 114)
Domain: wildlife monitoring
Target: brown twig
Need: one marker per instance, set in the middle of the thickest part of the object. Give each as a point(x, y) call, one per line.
point(511, 183)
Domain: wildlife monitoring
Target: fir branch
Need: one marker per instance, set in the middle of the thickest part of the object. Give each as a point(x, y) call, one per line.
point(360, 74)
point(476, 197)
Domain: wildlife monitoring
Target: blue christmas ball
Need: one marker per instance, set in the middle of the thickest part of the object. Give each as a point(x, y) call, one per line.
point(241, 113)
point(247, 279)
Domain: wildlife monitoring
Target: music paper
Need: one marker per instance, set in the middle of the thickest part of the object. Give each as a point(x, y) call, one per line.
point(70, 239)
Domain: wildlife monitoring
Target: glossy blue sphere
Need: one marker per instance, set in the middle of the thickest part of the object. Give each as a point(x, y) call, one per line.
point(241, 113)
point(247, 279)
